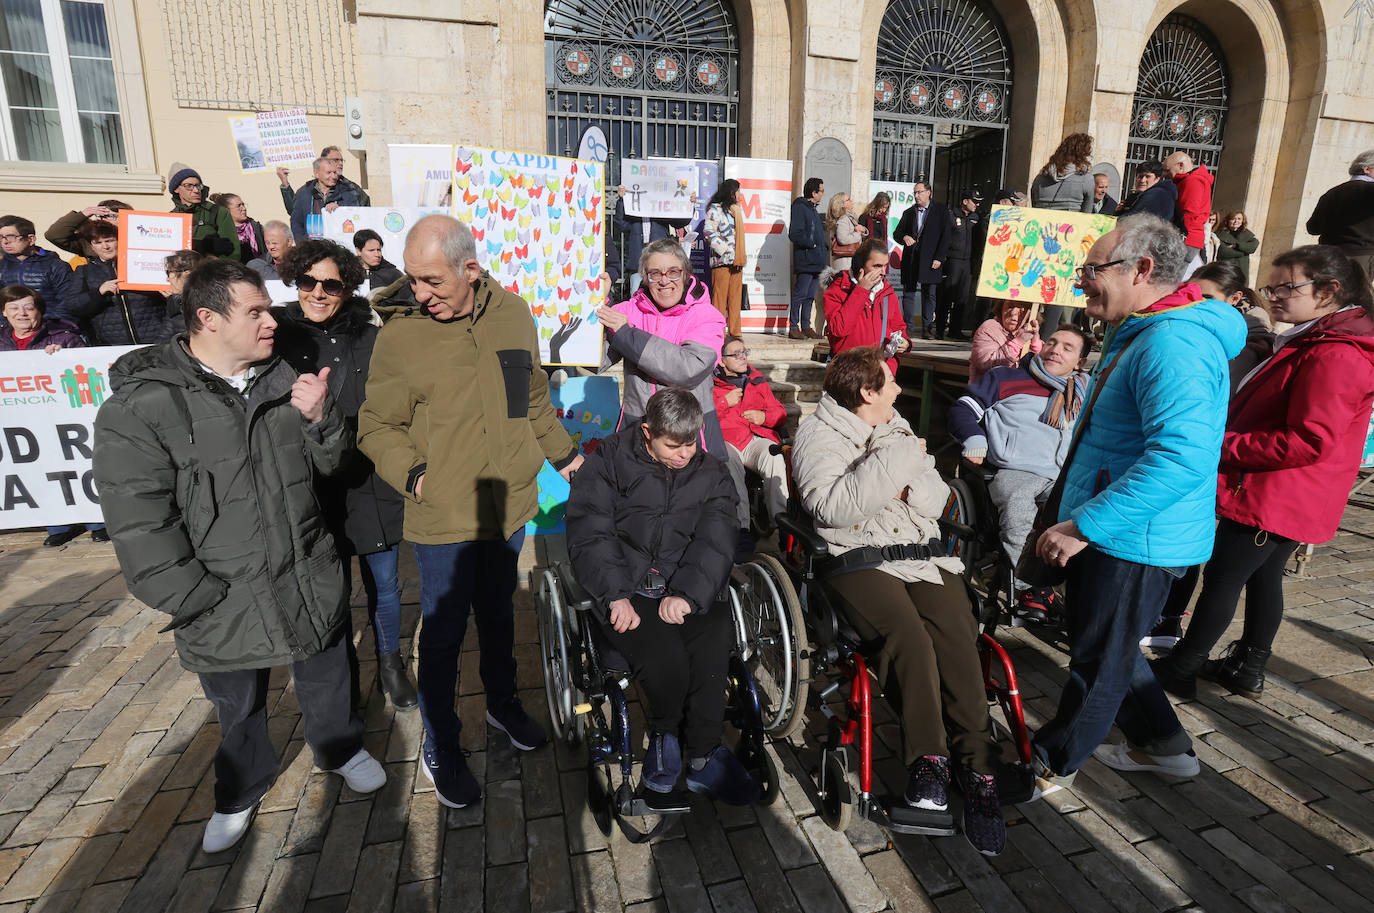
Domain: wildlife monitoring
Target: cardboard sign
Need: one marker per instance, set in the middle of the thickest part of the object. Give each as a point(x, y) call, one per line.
point(421, 175)
point(1032, 254)
point(145, 241)
point(540, 229)
point(658, 189)
point(48, 405)
point(765, 196)
point(589, 408)
point(268, 139)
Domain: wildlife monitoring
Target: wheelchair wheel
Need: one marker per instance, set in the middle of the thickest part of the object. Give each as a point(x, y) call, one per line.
point(773, 637)
point(960, 508)
point(837, 794)
point(559, 651)
point(985, 571)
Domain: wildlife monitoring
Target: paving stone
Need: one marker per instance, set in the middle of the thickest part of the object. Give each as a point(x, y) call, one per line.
point(342, 844)
point(418, 897)
point(252, 864)
point(310, 820)
point(195, 894)
point(146, 836)
point(508, 888)
point(163, 878)
point(594, 882)
point(784, 836)
point(732, 897)
point(897, 883)
point(861, 894)
point(814, 891)
point(550, 876)
point(767, 883)
point(635, 872)
point(461, 885)
point(1264, 871)
point(374, 888)
point(288, 887)
point(396, 803)
point(708, 842)
point(680, 878)
point(505, 822)
point(39, 869)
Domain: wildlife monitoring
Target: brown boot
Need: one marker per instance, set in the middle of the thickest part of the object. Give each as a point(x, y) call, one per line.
point(795, 333)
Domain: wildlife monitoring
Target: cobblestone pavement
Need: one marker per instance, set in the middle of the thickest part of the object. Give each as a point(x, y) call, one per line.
point(105, 785)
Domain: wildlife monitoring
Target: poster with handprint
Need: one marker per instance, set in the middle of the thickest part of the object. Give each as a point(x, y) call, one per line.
point(588, 408)
point(1031, 254)
point(539, 224)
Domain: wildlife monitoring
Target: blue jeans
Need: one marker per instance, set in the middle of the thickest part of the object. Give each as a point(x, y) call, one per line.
point(1111, 605)
point(920, 299)
point(454, 579)
point(383, 587)
point(804, 288)
point(59, 530)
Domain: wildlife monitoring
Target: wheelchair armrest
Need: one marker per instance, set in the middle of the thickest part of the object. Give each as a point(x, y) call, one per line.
point(578, 598)
point(814, 544)
point(958, 530)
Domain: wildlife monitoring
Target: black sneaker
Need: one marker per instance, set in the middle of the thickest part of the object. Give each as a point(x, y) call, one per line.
point(454, 784)
point(62, 537)
point(983, 823)
point(525, 734)
point(928, 787)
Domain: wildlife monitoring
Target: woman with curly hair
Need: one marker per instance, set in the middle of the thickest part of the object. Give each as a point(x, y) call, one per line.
point(330, 326)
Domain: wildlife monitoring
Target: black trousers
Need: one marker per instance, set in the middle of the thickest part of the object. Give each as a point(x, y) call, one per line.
point(245, 763)
point(682, 669)
point(1242, 558)
point(953, 300)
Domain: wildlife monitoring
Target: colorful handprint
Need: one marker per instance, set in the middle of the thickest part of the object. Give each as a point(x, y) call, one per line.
point(1000, 236)
point(1048, 289)
point(1013, 261)
point(1030, 234)
point(1034, 270)
point(1000, 278)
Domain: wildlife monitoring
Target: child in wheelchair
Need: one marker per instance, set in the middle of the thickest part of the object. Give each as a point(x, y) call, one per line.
point(875, 497)
point(651, 534)
point(1020, 421)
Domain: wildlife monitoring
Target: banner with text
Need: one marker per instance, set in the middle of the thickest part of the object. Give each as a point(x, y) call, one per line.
point(271, 138)
point(145, 241)
point(539, 224)
point(1031, 254)
point(392, 223)
point(421, 176)
point(47, 409)
point(765, 196)
point(659, 189)
point(588, 407)
point(707, 180)
point(902, 198)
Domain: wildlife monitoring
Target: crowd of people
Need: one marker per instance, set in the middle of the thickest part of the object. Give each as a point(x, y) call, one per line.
point(252, 447)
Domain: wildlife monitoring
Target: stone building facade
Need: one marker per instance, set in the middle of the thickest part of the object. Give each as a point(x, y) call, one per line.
point(1277, 95)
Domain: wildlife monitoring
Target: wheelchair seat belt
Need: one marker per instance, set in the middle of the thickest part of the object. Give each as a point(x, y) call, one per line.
point(868, 557)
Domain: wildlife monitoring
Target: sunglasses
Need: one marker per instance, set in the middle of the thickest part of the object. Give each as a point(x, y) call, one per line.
point(331, 286)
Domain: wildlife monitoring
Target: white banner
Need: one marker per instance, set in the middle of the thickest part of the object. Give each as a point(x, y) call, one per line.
point(393, 224)
point(765, 196)
point(47, 409)
point(659, 189)
point(267, 139)
point(421, 175)
point(902, 198)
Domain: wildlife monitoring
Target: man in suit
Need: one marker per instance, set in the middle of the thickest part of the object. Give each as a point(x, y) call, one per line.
point(923, 232)
point(1102, 201)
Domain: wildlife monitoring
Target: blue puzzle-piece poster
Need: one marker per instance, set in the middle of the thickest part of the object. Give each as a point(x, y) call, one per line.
point(588, 407)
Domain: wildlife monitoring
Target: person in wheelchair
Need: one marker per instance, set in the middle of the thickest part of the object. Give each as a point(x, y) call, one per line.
point(1020, 421)
point(872, 490)
point(750, 419)
point(651, 534)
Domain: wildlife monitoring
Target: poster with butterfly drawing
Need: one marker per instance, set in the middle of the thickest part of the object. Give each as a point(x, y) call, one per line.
point(1031, 254)
point(539, 225)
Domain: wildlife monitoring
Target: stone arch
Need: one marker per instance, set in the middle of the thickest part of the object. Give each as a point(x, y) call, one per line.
point(765, 76)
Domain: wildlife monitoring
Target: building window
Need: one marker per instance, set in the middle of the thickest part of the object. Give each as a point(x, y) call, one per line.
point(1181, 97)
point(58, 93)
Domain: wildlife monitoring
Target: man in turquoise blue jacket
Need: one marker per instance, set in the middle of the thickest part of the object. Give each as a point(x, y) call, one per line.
point(1139, 503)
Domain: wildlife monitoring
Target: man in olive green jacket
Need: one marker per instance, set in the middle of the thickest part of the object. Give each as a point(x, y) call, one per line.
point(458, 419)
point(212, 228)
point(204, 457)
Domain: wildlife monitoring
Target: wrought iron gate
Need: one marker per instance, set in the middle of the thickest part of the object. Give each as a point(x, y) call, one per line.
point(1181, 97)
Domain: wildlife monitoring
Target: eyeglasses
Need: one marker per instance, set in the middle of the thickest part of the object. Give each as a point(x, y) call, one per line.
point(742, 353)
point(1283, 292)
point(1089, 271)
point(14, 237)
point(662, 275)
point(331, 286)
point(187, 185)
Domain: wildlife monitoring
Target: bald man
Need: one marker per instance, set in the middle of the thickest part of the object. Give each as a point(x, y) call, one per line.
point(455, 391)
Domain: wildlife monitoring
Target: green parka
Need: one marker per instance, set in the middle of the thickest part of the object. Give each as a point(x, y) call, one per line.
point(209, 499)
point(212, 229)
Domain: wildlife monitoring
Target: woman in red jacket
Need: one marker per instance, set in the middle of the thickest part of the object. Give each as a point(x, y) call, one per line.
point(750, 419)
point(857, 301)
point(1293, 444)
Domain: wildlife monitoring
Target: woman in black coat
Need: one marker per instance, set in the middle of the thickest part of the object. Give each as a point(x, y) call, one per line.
point(112, 316)
point(331, 327)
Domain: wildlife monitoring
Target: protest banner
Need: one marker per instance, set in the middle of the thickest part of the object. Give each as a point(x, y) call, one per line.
point(145, 241)
point(421, 175)
point(902, 198)
point(1031, 254)
point(392, 223)
point(268, 139)
point(658, 189)
point(707, 180)
point(588, 407)
point(47, 409)
point(765, 196)
point(540, 229)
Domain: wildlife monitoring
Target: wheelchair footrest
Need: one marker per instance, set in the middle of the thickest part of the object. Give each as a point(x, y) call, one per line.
point(648, 802)
point(900, 818)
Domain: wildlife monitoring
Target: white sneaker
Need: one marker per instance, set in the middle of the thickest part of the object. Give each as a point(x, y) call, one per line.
point(362, 773)
point(224, 830)
point(1122, 756)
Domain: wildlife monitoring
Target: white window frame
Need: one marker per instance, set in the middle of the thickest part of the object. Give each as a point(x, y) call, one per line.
point(59, 57)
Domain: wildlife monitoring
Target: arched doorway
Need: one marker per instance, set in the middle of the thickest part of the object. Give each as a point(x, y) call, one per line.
point(941, 94)
point(1182, 95)
point(659, 77)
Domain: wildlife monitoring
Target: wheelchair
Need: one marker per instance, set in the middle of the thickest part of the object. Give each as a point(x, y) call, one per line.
point(586, 683)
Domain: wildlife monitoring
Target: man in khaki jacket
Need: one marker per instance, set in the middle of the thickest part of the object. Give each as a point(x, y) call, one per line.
point(458, 418)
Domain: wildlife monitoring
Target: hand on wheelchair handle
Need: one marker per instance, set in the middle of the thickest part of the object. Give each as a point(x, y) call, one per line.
point(623, 616)
point(674, 609)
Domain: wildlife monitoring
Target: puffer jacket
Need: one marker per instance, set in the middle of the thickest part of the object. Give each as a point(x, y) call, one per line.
point(1141, 485)
point(677, 347)
point(1194, 205)
point(212, 229)
point(209, 499)
point(1005, 417)
point(854, 318)
point(628, 513)
point(110, 316)
point(1066, 192)
point(758, 396)
point(52, 331)
point(466, 403)
point(849, 475)
point(44, 272)
point(806, 231)
point(363, 511)
point(1296, 432)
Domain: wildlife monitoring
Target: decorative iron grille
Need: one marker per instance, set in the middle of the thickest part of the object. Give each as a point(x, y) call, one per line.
point(939, 61)
point(660, 78)
point(1181, 96)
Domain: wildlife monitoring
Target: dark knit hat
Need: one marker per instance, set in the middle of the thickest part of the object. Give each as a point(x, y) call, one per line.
point(180, 175)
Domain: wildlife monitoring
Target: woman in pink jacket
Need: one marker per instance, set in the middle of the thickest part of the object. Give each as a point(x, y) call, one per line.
point(1004, 338)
